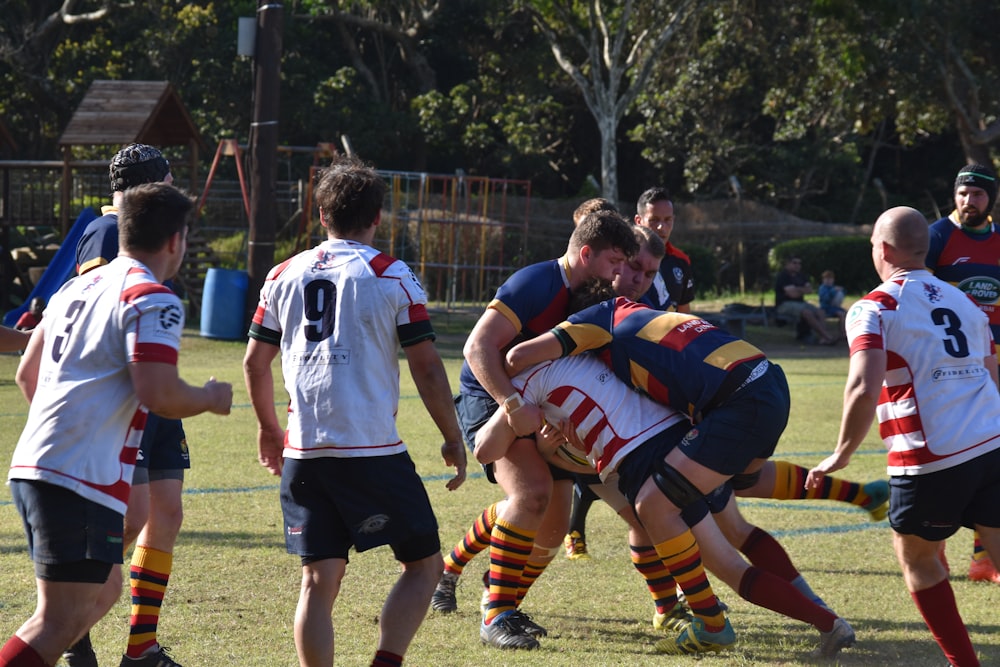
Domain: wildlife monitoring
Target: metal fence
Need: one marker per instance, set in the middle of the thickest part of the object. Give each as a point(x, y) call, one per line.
point(462, 235)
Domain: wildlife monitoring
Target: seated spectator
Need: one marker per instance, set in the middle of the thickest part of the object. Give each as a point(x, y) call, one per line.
point(31, 317)
point(831, 298)
point(790, 289)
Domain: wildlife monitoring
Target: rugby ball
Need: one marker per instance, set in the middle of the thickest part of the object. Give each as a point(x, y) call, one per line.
point(572, 455)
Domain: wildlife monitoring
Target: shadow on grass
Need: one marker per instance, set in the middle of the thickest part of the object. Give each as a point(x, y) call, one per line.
point(232, 539)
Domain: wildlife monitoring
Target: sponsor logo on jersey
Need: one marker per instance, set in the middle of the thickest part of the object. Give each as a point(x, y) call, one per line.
point(320, 358)
point(854, 312)
point(981, 288)
point(605, 376)
point(678, 275)
point(689, 437)
point(170, 317)
point(958, 373)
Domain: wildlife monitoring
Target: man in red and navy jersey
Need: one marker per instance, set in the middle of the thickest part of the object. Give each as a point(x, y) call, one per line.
point(673, 289)
point(965, 251)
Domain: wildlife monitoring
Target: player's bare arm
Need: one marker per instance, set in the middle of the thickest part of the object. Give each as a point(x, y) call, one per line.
point(530, 352)
point(435, 391)
point(160, 388)
point(259, 381)
point(864, 384)
point(12, 340)
point(484, 352)
point(493, 439)
point(27, 371)
point(990, 363)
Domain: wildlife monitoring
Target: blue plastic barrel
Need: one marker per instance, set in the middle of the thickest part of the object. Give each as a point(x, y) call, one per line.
point(223, 304)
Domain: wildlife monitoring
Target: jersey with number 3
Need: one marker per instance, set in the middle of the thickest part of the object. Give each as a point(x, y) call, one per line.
point(340, 313)
point(938, 407)
point(85, 422)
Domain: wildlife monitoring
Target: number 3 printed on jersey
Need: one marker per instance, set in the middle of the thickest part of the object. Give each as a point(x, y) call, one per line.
point(72, 315)
point(955, 344)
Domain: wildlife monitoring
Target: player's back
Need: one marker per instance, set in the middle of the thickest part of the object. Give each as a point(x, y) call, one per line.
point(680, 360)
point(84, 410)
point(610, 418)
point(339, 309)
point(940, 402)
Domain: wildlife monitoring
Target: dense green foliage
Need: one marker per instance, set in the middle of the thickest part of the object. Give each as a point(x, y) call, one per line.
point(849, 258)
point(829, 109)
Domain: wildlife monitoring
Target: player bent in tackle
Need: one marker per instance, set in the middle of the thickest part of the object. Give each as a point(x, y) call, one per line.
point(623, 435)
point(736, 398)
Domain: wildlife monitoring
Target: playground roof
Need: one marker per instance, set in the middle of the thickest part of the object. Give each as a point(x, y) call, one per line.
point(123, 112)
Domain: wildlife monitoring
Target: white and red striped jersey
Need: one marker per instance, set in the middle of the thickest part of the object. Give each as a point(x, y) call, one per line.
point(938, 406)
point(610, 418)
point(340, 313)
point(85, 422)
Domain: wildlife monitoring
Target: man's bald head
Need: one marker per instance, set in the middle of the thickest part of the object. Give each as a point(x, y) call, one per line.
point(904, 230)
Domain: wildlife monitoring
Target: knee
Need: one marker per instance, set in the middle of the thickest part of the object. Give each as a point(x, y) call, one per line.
point(165, 517)
point(532, 499)
point(428, 569)
point(651, 505)
point(133, 526)
point(323, 580)
point(171, 516)
point(535, 502)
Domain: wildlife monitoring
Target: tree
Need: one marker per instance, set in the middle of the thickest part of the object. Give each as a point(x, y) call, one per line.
point(30, 34)
point(609, 56)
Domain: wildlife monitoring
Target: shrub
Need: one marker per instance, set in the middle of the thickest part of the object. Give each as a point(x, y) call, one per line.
point(849, 258)
point(704, 266)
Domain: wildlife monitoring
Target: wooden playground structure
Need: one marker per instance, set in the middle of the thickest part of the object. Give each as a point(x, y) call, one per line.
point(461, 234)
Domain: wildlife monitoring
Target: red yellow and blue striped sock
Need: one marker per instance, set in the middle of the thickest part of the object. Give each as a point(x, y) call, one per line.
point(510, 548)
point(148, 576)
point(978, 551)
point(476, 539)
point(789, 484)
point(658, 579)
point(682, 557)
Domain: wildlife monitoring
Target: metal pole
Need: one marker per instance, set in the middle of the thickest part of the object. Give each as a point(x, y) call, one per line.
point(264, 148)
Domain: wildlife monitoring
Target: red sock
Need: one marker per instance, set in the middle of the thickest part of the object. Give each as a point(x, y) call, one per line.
point(937, 605)
point(766, 553)
point(386, 659)
point(772, 592)
point(17, 653)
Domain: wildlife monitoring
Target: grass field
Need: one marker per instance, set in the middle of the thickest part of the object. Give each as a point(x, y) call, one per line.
point(233, 591)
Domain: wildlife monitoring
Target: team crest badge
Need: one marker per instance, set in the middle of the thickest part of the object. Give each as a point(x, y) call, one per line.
point(689, 437)
point(932, 292)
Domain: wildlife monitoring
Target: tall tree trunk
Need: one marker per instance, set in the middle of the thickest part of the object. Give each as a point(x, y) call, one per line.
point(609, 157)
